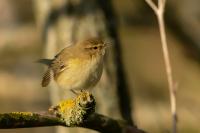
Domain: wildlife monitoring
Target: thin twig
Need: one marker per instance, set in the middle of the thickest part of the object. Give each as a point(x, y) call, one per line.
point(152, 5)
point(159, 11)
point(171, 84)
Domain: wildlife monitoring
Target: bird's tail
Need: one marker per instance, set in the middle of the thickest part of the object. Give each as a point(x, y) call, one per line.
point(45, 61)
point(47, 76)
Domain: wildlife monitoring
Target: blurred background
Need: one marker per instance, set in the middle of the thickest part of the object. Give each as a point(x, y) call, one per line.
point(22, 43)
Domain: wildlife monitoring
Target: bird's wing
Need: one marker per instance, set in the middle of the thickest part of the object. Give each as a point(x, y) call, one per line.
point(59, 63)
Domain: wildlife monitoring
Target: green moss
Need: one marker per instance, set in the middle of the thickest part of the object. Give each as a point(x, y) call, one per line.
point(27, 119)
point(17, 119)
point(27, 116)
point(17, 116)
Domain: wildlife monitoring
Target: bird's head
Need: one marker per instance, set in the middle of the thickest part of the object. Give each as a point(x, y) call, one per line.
point(94, 46)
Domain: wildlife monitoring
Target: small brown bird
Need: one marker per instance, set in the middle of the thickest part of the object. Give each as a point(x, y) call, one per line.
point(77, 67)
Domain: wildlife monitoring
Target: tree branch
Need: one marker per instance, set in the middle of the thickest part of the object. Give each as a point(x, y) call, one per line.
point(172, 86)
point(152, 5)
point(28, 119)
point(78, 112)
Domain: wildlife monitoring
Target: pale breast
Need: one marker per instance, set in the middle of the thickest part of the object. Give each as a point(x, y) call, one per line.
point(81, 74)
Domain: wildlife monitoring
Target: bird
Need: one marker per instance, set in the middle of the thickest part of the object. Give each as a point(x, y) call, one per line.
point(77, 67)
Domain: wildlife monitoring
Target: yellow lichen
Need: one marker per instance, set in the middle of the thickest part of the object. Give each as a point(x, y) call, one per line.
point(74, 111)
point(24, 116)
point(84, 99)
point(66, 105)
point(22, 113)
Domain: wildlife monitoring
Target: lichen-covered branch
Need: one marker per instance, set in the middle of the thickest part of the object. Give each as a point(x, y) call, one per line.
point(28, 119)
point(78, 112)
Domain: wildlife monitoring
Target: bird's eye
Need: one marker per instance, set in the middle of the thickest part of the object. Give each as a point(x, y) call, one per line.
point(94, 47)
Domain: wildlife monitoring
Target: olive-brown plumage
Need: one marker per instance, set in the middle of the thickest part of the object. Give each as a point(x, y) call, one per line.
point(77, 67)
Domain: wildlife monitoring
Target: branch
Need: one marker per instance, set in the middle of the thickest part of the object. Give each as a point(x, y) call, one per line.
point(152, 5)
point(28, 119)
point(159, 11)
point(78, 112)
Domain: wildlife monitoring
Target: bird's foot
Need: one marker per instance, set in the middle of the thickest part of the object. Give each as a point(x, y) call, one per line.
point(77, 92)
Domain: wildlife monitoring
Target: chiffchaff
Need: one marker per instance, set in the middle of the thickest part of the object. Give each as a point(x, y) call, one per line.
point(77, 67)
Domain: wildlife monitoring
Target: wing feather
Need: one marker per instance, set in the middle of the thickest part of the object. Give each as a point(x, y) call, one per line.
point(46, 78)
point(59, 63)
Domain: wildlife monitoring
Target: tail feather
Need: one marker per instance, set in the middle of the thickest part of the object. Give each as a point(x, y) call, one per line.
point(46, 78)
point(44, 61)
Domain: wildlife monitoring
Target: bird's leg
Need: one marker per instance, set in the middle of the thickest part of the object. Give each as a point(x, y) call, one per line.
point(54, 110)
point(75, 92)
